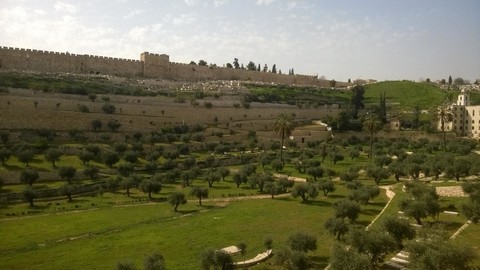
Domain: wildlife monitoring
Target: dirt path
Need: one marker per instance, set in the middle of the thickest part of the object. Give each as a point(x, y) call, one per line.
point(390, 194)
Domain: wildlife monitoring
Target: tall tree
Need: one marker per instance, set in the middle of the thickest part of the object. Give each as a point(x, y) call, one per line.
point(450, 80)
point(357, 100)
point(29, 176)
point(91, 172)
point(304, 190)
point(443, 115)
point(416, 117)
point(399, 229)
point(4, 155)
point(52, 155)
point(25, 156)
point(348, 258)
point(274, 68)
point(377, 173)
point(67, 190)
point(150, 185)
point(302, 241)
point(29, 194)
point(284, 126)
point(374, 244)
point(128, 183)
point(251, 66)
point(383, 108)
point(235, 63)
point(200, 193)
point(176, 198)
point(67, 173)
point(372, 125)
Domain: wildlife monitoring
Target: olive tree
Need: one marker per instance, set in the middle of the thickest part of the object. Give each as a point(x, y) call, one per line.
point(150, 186)
point(29, 176)
point(200, 193)
point(304, 190)
point(176, 198)
point(52, 155)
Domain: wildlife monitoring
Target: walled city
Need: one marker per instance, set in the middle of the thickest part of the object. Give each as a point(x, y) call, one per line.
point(150, 65)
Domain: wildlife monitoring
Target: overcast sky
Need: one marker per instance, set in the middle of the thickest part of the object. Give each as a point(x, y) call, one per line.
point(370, 39)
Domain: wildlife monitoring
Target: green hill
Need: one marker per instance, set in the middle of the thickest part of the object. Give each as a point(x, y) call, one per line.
point(407, 94)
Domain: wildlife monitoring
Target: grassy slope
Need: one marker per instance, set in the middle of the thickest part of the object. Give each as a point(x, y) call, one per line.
point(406, 94)
point(128, 233)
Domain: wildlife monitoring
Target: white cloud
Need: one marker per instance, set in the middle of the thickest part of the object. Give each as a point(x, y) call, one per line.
point(138, 33)
point(183, 19)
point(190, 2)
point(64, 7)
point(134, 13)
point(264, 2)
point(39, 12)
point(218, 3)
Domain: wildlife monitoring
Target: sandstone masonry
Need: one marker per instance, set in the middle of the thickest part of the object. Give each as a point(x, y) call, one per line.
point(150, 65)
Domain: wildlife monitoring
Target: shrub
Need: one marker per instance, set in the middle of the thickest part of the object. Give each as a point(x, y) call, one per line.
point(108, 108)
point(83, 108)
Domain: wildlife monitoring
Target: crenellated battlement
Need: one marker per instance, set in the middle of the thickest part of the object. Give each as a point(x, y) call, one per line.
point(150, 65)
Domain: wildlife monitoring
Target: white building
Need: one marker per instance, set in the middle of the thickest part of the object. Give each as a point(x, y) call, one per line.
point(466, 118)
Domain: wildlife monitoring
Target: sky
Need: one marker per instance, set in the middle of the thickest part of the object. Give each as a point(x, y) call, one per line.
point(341, 39)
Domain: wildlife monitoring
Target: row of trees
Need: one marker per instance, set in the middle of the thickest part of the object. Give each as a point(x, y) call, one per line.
point(250, 66)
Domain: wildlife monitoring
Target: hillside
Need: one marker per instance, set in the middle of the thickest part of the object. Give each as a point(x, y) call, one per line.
point(407, 94)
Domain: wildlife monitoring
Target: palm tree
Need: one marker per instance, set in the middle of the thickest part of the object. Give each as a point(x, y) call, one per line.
point(284, 126)
point(444, 115)
point(372, 125)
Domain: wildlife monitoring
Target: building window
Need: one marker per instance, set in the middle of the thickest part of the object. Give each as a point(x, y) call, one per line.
point(466, 121)
point(473, 121)
point(473, 112)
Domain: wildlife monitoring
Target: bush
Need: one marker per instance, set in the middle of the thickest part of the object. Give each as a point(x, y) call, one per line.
point(208, 105)
point(83, 108)
point(108, 108)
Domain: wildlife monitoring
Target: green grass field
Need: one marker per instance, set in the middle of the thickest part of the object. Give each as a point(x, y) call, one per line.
point(100, 237)
point(406, 94)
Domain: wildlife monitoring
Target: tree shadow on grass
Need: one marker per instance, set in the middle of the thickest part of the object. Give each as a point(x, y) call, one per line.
point(379, 204)
point(221, 187)
point(286, 199)
point(450, 225)
point(335, 196)
point(370, 212)
point(39, 207)
point(364, 223)
point(318, 203)
point(5, 190)
point(186, 212)
point(319, 262)
point(158, 199)
point(12, 167)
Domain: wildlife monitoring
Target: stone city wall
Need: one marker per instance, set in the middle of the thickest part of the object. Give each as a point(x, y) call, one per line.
point(150, 66)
